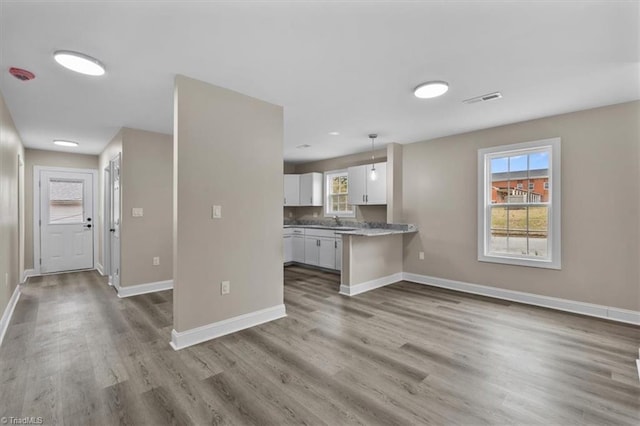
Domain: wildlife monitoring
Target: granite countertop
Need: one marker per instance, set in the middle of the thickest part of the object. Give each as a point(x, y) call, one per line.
point(361, 229)
point(376, 232)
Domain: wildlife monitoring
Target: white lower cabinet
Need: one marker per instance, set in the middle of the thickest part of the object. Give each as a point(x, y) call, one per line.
point(316, 247)
point(288, 248)
point(311, 251)
point(327, 253)
point(297, 248)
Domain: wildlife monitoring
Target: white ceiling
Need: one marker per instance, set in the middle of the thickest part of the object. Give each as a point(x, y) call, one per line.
point(334, 66)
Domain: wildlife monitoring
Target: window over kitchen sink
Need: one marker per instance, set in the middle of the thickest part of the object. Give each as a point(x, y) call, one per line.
point(336, 194)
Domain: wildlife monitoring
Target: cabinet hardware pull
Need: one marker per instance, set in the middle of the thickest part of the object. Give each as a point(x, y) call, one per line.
point(367, 197)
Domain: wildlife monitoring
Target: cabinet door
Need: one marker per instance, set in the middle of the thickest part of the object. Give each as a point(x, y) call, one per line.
point(311, 251)
point(357, 185)
point(377, 189)
point(339, 253)
point(311, 189)
point(297, 248)
point(291, 190)
point(327, 253)
point(288, 248)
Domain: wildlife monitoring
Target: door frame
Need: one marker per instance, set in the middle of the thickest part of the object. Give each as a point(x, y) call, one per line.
point(106, 223)
point(36, 210)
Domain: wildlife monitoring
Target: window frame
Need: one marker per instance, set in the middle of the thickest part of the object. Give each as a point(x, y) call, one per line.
point(553, 260)
point(327, 176)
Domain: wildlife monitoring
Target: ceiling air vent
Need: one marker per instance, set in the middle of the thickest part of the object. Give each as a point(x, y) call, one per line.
point(483, 98)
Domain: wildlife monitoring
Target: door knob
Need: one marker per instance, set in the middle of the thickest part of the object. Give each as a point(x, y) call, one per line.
point(112, 230)
point(88, 226)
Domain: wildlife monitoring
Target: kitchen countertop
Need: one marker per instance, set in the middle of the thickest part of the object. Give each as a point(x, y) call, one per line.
point(359, 231)
point(376, 232)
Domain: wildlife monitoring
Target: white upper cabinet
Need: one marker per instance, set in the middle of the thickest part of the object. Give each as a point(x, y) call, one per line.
point(377, 189)
point(303, 190)
point(365, 191)
point(311, 189)
point(291, 190)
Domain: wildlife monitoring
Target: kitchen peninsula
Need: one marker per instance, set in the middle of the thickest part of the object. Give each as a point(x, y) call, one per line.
point(367, 257)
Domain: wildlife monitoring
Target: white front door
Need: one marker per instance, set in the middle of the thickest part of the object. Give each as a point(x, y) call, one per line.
point(114, 229)
point(66, 221)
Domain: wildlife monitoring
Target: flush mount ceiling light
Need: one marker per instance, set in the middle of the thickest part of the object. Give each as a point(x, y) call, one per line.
point(431, 89)
point(334, 133)
point(79, 62)
point(65, 143)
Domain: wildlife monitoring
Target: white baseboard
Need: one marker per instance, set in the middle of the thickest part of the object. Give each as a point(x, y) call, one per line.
point(100, 269)
point(183, 339)
point(590, 309)
point(8, 313)
point(352, 290)
point(135, 290)
point(28, 273)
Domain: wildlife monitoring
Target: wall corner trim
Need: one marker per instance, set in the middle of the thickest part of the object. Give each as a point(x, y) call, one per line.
point(8, 313)
point(135, 290)
point(99, 269)
point(583, 308)
point(183, 339)
point(28, 273)
point(352, 290)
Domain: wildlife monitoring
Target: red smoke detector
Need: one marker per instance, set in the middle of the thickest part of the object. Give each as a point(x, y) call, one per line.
point(21, 74)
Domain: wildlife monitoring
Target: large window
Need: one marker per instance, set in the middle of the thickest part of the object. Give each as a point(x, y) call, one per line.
point(336, 194)
point(515, 225)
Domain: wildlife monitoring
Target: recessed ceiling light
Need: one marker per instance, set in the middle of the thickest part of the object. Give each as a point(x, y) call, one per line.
point(334, 133)
point(431, 89)
point(304, 146)
point(79, 62)
point(65, 143)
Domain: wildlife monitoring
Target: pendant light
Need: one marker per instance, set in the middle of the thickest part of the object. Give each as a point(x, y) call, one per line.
point(373, 174)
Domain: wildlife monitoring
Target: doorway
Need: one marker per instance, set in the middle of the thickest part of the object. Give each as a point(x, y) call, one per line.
point(64, 231)
point(114, 222)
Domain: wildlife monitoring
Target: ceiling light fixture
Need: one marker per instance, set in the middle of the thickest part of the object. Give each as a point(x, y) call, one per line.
point(79, 62)
point(334, 133)
point(431, 89)
point(65, 143)
point(373, 175)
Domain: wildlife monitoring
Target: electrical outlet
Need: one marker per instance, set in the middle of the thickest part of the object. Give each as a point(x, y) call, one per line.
point(137, 212)
point(421, 255)
point(315, 214)
point(225, 287)
point(156, 261)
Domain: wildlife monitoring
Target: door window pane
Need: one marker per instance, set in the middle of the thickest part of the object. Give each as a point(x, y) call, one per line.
point(66, 204)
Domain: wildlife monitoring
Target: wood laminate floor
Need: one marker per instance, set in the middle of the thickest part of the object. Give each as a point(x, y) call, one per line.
point(76, 354)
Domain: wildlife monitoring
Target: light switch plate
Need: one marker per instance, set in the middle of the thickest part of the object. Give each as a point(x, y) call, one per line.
point(225, 287)
point(137, 212)
point(156, 261)
point(216, 212)
point(421, 255)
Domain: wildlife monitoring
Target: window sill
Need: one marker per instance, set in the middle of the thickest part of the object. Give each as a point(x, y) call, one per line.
point(518, 261)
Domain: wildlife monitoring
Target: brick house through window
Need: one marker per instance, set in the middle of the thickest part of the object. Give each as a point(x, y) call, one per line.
point(508, 187)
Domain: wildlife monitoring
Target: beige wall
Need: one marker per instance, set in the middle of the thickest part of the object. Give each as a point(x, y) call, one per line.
point(227, 152)
point(147, 182)
point(363, 213)
point(600, 207)
point(394, 183)
point(146, 175)
point(11, 229)
point(369, 258)
point(38, 157)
